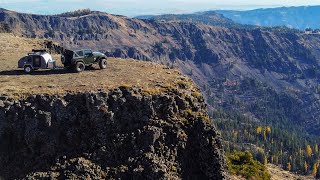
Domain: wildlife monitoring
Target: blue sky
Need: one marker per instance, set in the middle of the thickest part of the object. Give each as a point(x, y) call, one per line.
point(141, 7)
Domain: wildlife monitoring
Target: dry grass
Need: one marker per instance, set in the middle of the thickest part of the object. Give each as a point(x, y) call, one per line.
point(152, 77)
point(278, 173)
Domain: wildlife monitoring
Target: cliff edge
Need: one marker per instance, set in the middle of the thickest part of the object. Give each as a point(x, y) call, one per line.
point(105, 124)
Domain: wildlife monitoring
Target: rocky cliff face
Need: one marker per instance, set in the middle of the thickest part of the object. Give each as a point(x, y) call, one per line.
point(122, 133)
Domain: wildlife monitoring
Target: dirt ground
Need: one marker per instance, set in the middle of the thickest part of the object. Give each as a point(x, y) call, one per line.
point(119, 72)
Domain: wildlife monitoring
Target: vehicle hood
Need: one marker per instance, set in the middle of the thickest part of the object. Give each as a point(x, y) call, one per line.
point(98, 54)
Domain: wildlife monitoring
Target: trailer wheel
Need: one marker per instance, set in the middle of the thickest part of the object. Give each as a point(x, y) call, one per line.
point(80, 67)
point(28, 69)
point(103, 63)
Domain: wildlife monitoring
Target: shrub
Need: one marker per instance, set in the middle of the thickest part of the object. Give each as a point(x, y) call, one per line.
point(243, 164)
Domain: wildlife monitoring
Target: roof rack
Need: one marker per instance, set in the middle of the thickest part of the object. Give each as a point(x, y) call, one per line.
point(37, 52)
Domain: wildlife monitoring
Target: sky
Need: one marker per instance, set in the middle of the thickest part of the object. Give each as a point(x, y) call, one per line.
point(144, 7)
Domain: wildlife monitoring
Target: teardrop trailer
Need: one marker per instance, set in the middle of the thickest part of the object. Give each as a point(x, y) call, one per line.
point(72, 60)
point(37, 59)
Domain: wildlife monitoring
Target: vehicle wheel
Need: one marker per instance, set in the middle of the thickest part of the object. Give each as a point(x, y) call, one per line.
point(28, 69)
point(80, 67)
point(103, 63)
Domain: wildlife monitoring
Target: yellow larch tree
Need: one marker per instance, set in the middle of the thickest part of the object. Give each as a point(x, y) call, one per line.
point(314, 170)
point(305, 167)
point(308, 151)
point(268, 129)
point(259, 130)
point(265, 160)
point(289, 166)
point(264, 135)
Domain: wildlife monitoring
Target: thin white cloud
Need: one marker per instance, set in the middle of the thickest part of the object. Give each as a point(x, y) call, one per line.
point(18, 1)
point(138, 7)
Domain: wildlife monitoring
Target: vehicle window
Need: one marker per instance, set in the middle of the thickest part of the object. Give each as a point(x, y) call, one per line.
point(80, 53)
point(87, 52)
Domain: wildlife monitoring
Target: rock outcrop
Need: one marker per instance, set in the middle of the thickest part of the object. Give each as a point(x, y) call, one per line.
point(121, 133)
point(4, 28)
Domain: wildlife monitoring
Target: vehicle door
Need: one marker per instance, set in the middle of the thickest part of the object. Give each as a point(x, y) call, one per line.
point(88, 57)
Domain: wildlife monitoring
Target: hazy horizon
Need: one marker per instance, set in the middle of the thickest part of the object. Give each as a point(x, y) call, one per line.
point(143, 7)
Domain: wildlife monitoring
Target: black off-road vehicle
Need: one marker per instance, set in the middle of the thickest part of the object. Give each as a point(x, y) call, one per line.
point(80, 59)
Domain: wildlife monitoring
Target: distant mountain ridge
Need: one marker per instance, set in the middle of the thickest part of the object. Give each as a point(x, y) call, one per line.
point(294, 17)
point(210, 18)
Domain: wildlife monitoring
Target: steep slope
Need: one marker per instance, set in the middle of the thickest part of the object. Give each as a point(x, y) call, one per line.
point(150, 126)
point(294, 17)
point(252, 78)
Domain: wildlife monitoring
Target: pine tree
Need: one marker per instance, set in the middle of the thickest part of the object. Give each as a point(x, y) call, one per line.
point(318, 173)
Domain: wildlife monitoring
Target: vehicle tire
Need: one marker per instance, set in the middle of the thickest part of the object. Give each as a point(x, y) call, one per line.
point(80, 67)
point(28, 69)
point(103, 63)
